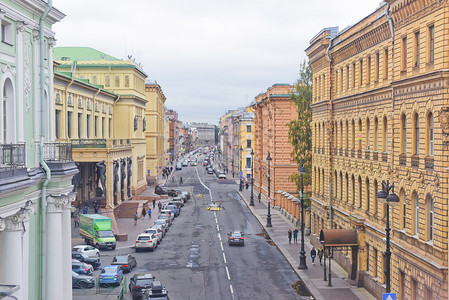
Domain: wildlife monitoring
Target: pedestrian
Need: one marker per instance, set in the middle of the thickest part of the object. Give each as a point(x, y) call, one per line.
point(247, 185)
point(96, 208)
point(320, 254)
point(295, 236)
point(154, 203)
point(159, 205)
point(289, 233)
point(77, 220)
point(313, 255)
point(149, 213)
point(135, 218)
point(180, 180)
point(85, 210)
point(144, 212)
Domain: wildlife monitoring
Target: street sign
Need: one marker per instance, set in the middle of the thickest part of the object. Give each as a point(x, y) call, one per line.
point(241, 175)
point(389, 296)
point(268, 200)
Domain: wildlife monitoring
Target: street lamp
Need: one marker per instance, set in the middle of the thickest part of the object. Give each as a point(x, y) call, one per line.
point(240, 169)
point(251, 199)
point(391, 199)
point(302, 253)
point(269, 159)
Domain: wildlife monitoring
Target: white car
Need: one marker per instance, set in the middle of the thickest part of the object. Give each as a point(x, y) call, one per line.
point(168, 212)
point(159, 227)
point(156, 232)
point(88, 250)
point(146, 241)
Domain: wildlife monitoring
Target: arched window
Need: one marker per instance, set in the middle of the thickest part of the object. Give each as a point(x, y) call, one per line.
point(376, 134)
point(375, 197)
point(341, 134)
point(7, 113)
point(429, 136)
point(430, 219)
point(360, 193)
point(403, 200)
point(322, 182)
point(347, 135)
point(318, 185)
point(353, 135)
point(367, 189)
point(347, 187)
point(367, 134)
point(323, 136)
point(341, 186)
point(314, 136)
point(416, 134)
point(415, 214)
point(359, 143)
point(335, 134)
point(319, 136)
point(314, 179)
point(336, 184)
point(403, 134)
point(353, 190)
point(385, 135)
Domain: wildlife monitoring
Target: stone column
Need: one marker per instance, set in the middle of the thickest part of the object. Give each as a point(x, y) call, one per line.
point(66, 248)
point(13, 254)
point(58, 237)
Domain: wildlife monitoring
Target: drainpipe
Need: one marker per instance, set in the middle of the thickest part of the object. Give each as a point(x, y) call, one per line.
point(331, 133)
point(43, 203)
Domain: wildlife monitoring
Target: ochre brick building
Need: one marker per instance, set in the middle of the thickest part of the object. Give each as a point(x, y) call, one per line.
point(273, 111)
point(381, 112)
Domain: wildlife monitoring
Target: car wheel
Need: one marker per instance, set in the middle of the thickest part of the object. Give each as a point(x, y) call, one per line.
point(84, 285)
point(97, 254)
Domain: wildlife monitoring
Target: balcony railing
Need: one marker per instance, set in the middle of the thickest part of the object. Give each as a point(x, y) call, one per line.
point(100, 143)
point(12, 156)
point(57, 151)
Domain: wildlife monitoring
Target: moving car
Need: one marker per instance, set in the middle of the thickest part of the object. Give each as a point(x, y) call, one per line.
point(185, 163)
point(126, 262)
point(110, 275)
point(221, 175)
point(145, 241)
point(210, 171)
point(82, 268)
point(88, 250)
point(178, 167)
point(82, 281)
point(139, 282)
point(93, 261)
point(236, 238)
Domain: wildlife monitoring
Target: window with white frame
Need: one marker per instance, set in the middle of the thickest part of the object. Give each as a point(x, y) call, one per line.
point(430, 134)
point(7, 32)
point(430, 221)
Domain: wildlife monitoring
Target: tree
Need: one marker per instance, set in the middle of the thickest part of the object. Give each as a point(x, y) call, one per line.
point(300, 132)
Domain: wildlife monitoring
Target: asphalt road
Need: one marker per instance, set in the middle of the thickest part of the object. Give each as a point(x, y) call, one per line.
point(194, 260)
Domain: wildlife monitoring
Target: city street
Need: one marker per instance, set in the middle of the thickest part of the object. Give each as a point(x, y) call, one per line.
point(194, 260)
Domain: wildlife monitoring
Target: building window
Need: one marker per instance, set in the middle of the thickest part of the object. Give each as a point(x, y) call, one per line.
point(404, 53)
point(403, 210)
point(430, 220)
point(414, 290)
point(375, 262)
point(429, 293)
point(248, 162)
point(248, 128)
point(430, 134)
point(117, 81)
point(88, 126)
point(107, 81)
point(69, 124)
point(385, 135)
point(367, 134)
point(353, 135)
point(361, 72)
point(353, 75)
point(404, 134)
point(347, 135)
point(341, 186)
point(401, 285)
point(367, 204)
point(335, 184)
point(353, 189)
point(126, 80)
point(359, 143)
point(109, 127)
point(367, 257)
point(248, 144)
point(386, 64)
point(336, 81)
point(375, 198)
point(415, 214)
point(416, 134)
point(347, 187)
point(341, 81)
point(347, 77)
point(94, 79)
point(376, 134)
point(369, 70)
point(431, 45)
point(376, 73)
point(57, 114)
point(7, 32)
point(360, 193)
point(417, 49)
point(102, 127)
point(80, 116)
point(95, 126)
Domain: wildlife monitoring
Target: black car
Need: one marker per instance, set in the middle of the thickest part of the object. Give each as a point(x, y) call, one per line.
point(127, 262)
point(82, 281)
point(236, 238)
point(94, 261)
point(156, 291)
point(139, 282)
point(172, 192)
point(160, 190)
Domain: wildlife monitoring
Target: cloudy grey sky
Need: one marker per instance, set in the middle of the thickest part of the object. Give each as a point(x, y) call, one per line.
point(208, 56)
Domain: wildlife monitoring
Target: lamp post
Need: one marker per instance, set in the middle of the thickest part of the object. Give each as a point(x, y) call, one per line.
point(302, 253)
point(269, 159)
point(240, 169)
point(391, 199)
point(251, 199)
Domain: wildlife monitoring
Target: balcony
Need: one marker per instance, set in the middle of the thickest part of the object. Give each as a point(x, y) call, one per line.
point(100, 143)
point(12, 156)
point(61, 152)
point(402, 159)
point(415, 161)
point(340, 152)
point(384, 156)
point(375, 155)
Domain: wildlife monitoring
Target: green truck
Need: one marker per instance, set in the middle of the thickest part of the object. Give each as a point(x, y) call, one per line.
point(97, 231)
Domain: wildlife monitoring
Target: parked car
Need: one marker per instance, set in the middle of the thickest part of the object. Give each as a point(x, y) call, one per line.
point(180, 198)
point(187, 195)
point(156, 291)
point(82, 281)
point(157, 234)
point(221, 175)
point(236, 238)
point(168, 212)
point(88, 250)
point(174, 208)
point(127, 262)
point(145, 241)
point(82, 268)
point(162, 223)
point(110, 275)
point(160, 228)
point(139, 282)
point(93, 261)
point(165, 217)
point(172, 192)
point(161, 190)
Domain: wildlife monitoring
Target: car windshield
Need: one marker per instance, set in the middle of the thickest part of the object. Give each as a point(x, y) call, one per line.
point(105, 233)
point(109, 271)
point(121, 259)
point(151, 230)
point(146, 281)
point(164, 216)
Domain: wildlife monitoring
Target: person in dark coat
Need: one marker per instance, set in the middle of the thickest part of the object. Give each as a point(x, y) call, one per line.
point(320, 254)
point(144, 212)
point(295, 236)
point(289, 234)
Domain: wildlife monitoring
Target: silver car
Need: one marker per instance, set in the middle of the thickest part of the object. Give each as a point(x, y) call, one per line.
point(156, 234)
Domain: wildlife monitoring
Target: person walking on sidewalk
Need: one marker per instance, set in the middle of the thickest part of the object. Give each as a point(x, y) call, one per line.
point(159, 205)
point(313, 255)
point(180, 180)
point(320, 254)
point(154, 203)
point(77, 220)
point(295, 236)
point(135, 218)
point(289, 233)
point(149, 213)
point(144, 212)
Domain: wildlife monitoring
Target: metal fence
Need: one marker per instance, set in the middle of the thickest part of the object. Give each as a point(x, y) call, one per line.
point(12, 156)
point(57, 151)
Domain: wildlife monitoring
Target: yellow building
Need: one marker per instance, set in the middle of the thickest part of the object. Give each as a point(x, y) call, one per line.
point(100, 130)
point(244, 141)
point(380, 112)
point(154, 134)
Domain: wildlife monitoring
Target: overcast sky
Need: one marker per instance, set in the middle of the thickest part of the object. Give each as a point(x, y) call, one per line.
point(208, 56)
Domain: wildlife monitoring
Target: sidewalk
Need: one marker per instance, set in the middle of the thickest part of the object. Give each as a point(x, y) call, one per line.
point(313, 276)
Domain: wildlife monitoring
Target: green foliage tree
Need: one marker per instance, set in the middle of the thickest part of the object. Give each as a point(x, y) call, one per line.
point(300, 131)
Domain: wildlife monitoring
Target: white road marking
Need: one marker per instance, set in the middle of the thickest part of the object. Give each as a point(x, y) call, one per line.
point(224, 258)
point(218, 228)
point(210, 192)
point(232, 290)
point(227, 272)
point(219, 236)
point(221, 245)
